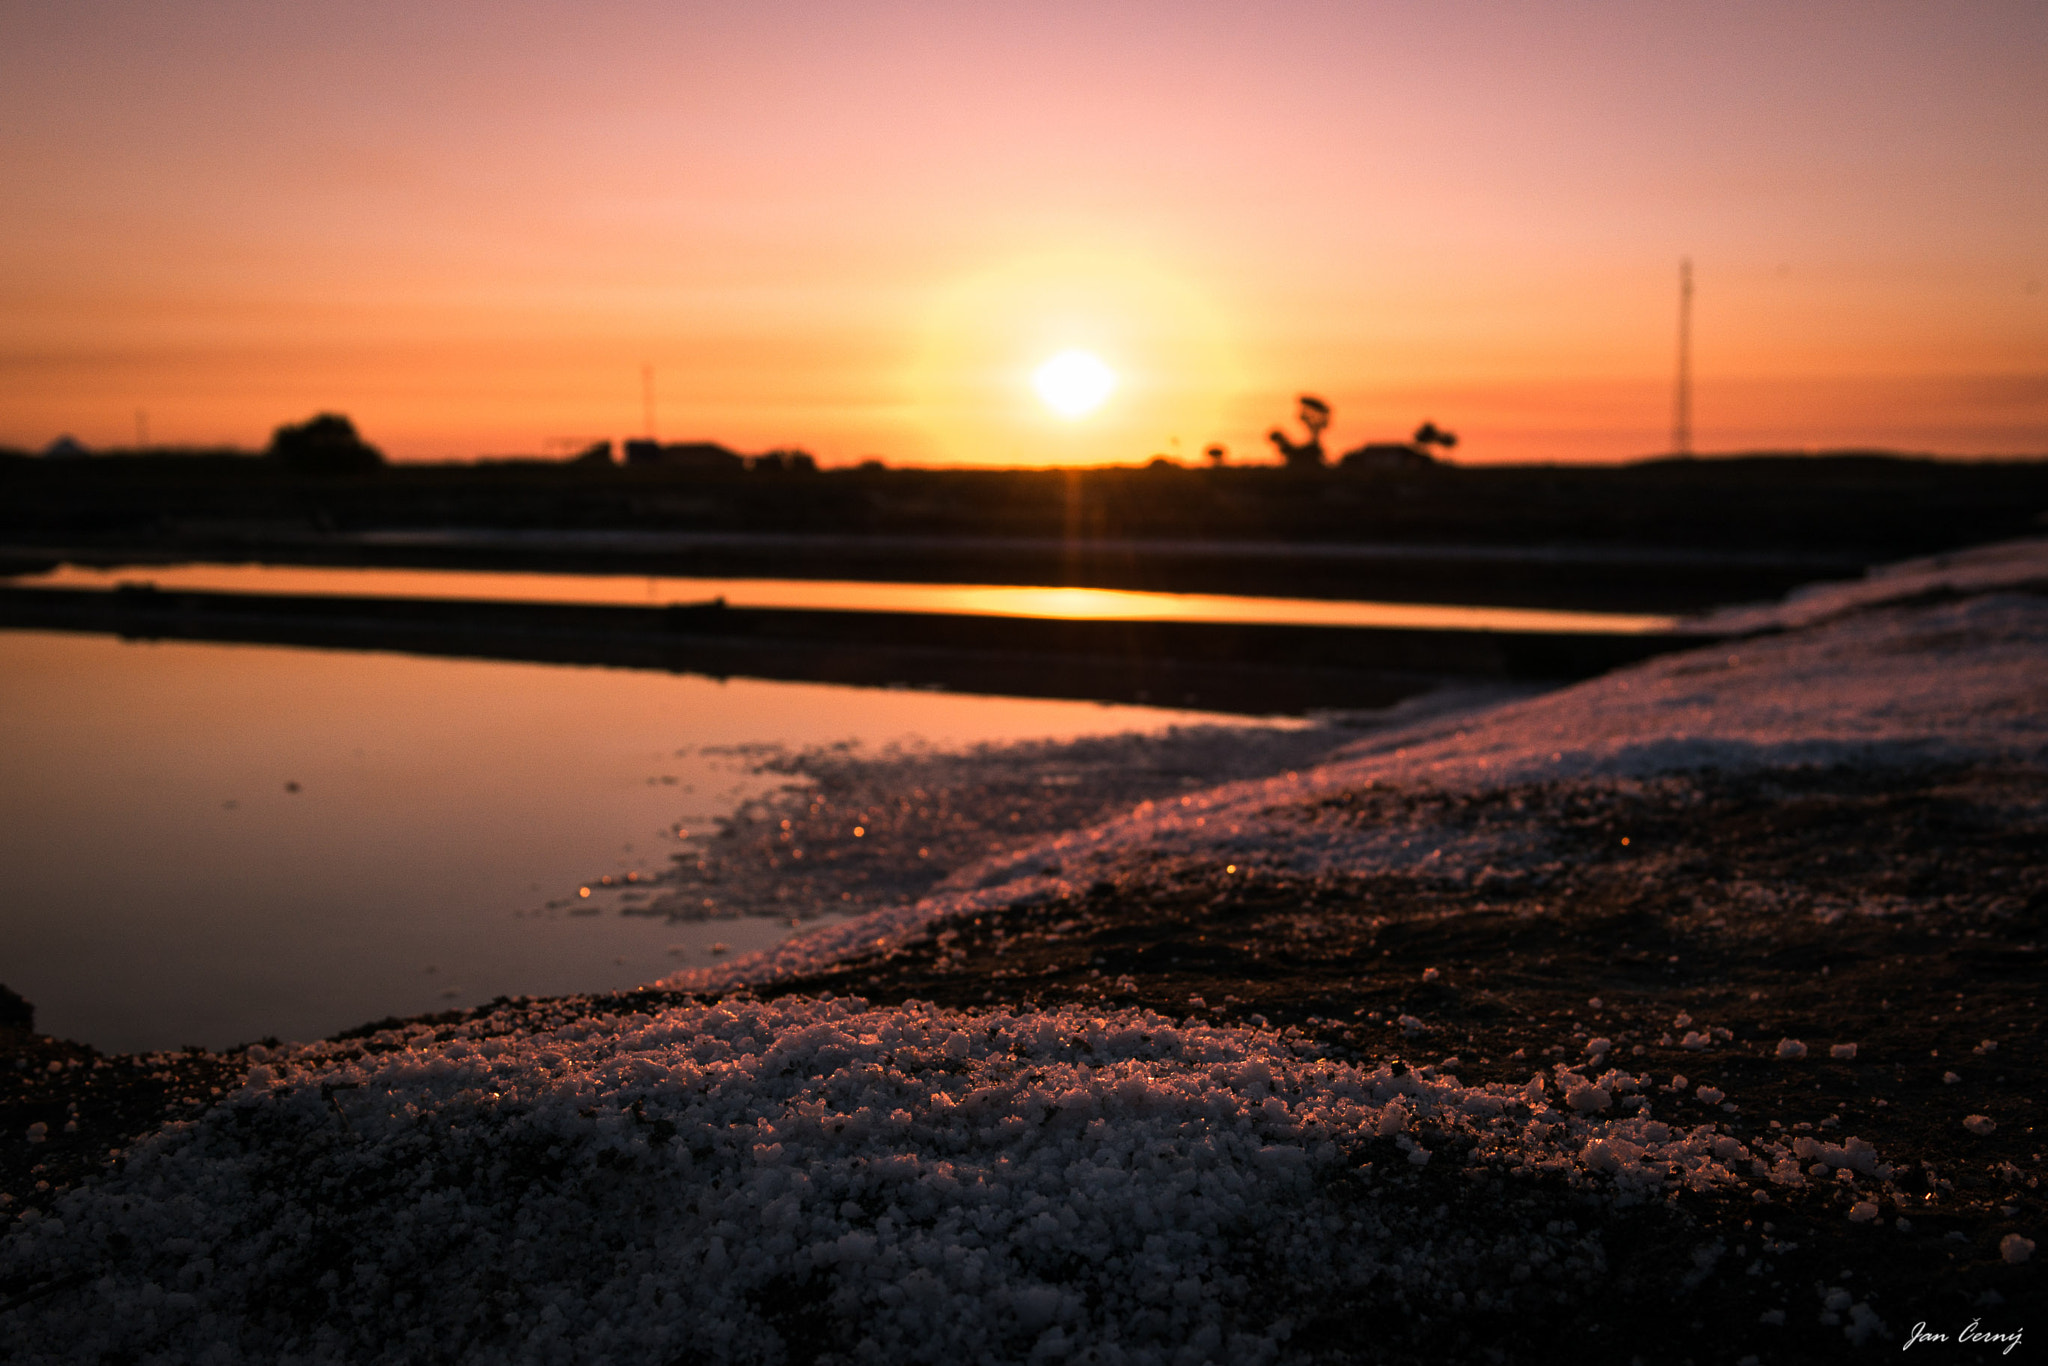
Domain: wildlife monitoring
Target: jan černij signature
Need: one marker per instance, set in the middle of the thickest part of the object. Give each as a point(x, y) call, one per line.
point(1971, 1334)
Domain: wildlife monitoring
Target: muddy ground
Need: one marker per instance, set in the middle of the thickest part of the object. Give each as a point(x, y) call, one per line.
point(1901, 911)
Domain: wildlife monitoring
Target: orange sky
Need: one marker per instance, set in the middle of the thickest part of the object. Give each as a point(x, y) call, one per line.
point(857, 227)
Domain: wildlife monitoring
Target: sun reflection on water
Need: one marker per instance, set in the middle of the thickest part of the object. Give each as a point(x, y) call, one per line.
point(1078, 604)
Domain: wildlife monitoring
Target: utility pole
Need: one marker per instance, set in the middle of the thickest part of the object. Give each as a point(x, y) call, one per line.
point(141, 429)
point(1681, 420)
point(647, 398)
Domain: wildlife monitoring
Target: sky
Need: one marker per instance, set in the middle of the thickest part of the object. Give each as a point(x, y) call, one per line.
point(858, 229)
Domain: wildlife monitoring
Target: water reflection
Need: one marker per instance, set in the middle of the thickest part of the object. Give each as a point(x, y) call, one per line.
point(975, 599)
point(212, 843)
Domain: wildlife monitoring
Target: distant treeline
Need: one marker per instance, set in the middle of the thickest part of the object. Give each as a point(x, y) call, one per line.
point(1865, 503)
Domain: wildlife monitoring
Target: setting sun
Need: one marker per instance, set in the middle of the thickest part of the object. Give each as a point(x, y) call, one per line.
point(1074, 383)
point(1072, 356)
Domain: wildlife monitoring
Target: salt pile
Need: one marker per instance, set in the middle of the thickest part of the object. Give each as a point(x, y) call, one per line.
point(723, 1178)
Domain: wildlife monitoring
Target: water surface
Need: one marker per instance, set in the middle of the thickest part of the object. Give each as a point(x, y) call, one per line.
point(975, 599)
point(209, 844)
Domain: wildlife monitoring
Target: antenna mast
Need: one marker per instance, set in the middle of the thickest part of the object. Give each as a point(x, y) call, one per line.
point(647, 398)
point(1681, 421)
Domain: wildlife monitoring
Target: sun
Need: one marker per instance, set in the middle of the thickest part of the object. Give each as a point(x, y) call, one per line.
point(1068, 357)
point(1074, 383)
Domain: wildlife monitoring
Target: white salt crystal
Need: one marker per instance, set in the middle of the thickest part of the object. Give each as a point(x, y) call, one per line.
point(1791, 1049)
point(1863, 1324)
point(1845, 1052)
point(1979, 1125)
point(2015, 1249)
point(1863, 1211)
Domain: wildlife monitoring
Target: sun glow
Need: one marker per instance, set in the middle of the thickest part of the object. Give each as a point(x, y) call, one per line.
point(1074, 383)
point(1071, 358)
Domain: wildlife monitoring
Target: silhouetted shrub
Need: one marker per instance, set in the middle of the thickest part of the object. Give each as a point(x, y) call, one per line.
point(785, 461)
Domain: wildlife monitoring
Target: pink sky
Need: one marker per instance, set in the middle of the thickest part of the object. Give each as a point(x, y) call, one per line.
point(856, 228)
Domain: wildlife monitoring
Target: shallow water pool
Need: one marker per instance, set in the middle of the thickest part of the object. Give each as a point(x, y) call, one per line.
point(210, 844)
point(628, 590)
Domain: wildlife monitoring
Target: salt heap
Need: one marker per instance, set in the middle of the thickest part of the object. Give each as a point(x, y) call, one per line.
point(722, 1178)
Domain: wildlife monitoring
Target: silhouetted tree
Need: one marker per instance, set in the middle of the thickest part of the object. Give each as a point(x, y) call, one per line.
point(1314, 414)
point(1429, 434)
point(1217, 454)
point(327, 444)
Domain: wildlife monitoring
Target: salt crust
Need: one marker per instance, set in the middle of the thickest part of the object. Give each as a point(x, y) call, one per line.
point(961, 1186)
point(1979, 569)
point(978, 1186)
point(1954, 681)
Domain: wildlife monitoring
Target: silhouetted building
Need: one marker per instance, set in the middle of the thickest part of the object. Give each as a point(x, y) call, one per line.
point(1412, 454)
point(66, 447)
point(596, 453)
point(697, 457)
point(327, 444)
point(1387, 455)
